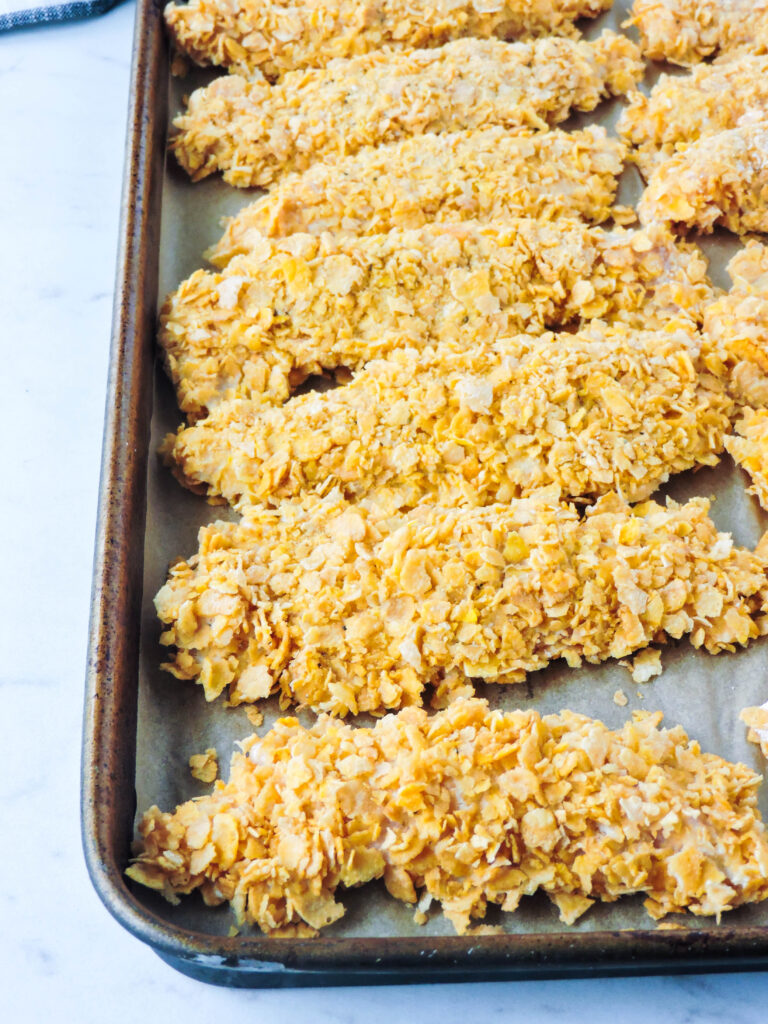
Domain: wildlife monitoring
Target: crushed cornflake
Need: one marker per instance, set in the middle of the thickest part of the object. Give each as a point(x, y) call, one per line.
point(204, 767)
point(683, 108)
point(337, 601)
point(646, 665)
point(620, 698)
point(757, 721)
point(686, 31)
point(311, 303)
point(253, 36)
point(255, 717)
point(718, 181)
point(253, 131)
point(472, 806)
point(487, 175)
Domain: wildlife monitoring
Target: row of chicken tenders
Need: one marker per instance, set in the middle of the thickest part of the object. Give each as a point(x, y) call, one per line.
point(512, 366)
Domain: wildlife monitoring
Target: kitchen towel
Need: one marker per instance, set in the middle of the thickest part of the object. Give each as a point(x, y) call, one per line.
point(18, 14)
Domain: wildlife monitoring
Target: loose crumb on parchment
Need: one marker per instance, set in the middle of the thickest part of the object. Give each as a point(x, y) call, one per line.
point(204, 767)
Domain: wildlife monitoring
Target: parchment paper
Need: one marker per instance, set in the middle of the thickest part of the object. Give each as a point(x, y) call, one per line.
point(703, 693)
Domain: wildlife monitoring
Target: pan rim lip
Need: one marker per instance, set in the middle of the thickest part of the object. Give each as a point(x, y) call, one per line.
point(539, 954)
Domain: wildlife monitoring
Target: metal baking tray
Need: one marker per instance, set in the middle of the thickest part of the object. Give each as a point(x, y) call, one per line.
point(141, 725)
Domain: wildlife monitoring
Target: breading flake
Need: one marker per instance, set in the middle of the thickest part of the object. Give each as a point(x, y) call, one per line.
point(609, 408)
point(345, 609)
point(254, 132)
point(487, 175)
point(295, 306)
point(470, 807)
point(275, 36)
point(720, 180)
point(204, 767)
point(686, 31)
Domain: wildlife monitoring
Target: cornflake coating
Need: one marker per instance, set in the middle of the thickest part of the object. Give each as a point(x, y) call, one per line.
point(682, 109)
point(736, 329)
point(296, 306)
point(720, 180)
point(343, 609)
point(686, 31)
point(487, 175)
point(468, 807)
point(275, 36)
point(605, 409)
point(757, 721)
point(254, 132)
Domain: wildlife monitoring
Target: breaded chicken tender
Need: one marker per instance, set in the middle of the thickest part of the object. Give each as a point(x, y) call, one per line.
point(296, 306)
point(487, 175)
point(605, 409)
point(686, 31)
point(344, 609)
point(736, 329)
point(254, 132)
point(720, 180)
point(275, 36)
point(468, 807)
point(682, 109)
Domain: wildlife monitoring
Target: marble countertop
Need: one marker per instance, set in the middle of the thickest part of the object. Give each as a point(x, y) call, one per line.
point(62, 957)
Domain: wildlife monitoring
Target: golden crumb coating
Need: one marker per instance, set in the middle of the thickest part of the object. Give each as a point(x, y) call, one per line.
point(466, 808)
point(682, 109)
point(605, 409)
point(345, 609)
point(686, 31)
point(736, 329)
point(254, 132)
point(275, 36)
point(750, 450)
point(487, 175)
point(720, 180)
point(295, 306)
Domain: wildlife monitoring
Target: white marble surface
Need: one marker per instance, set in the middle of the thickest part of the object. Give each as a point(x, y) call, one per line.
point(63, 98)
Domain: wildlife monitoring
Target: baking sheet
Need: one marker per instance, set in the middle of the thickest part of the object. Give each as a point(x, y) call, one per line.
point(703, 693)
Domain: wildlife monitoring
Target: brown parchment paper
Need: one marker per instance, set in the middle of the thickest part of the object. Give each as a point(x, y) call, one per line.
point(703, 693)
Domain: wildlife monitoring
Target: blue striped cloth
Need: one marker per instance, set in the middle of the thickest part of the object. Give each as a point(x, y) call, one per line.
point(23, 16)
